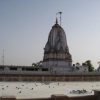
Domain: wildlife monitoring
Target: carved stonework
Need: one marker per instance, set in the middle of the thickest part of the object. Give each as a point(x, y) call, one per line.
point(56, 48)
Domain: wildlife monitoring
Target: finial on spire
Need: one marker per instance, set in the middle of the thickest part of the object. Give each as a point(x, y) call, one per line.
point(60, 16)
point(56, 20)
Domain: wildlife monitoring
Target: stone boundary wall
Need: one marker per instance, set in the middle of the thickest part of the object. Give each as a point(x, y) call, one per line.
point(57, 97)
point(49, 78)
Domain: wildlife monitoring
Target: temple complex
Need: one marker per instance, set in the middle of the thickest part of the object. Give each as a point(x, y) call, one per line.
point(56, 64)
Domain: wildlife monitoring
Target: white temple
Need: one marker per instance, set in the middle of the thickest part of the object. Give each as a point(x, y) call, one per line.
point(56, 51)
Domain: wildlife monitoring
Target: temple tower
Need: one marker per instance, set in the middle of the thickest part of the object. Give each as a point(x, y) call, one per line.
point(56, 51)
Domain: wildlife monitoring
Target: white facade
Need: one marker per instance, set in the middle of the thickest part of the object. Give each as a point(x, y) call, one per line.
point(56, 64)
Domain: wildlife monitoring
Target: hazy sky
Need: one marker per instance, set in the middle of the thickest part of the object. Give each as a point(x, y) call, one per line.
point(25, 25)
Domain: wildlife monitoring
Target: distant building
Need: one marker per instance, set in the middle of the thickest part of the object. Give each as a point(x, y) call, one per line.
point(80, 68)
point(98, 69)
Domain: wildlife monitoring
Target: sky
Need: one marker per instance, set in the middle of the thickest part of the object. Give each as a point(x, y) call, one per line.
point(25, 26)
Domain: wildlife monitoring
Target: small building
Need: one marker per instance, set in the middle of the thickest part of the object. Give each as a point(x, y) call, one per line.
point(80, 68)
point(98, 69)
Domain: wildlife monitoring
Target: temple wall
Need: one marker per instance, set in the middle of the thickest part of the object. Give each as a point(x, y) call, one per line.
point(55, 56)
point(57, 63)
point(48, 78)
point(56, 97)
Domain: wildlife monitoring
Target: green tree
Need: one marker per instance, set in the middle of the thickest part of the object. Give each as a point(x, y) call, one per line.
point(90, 66)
